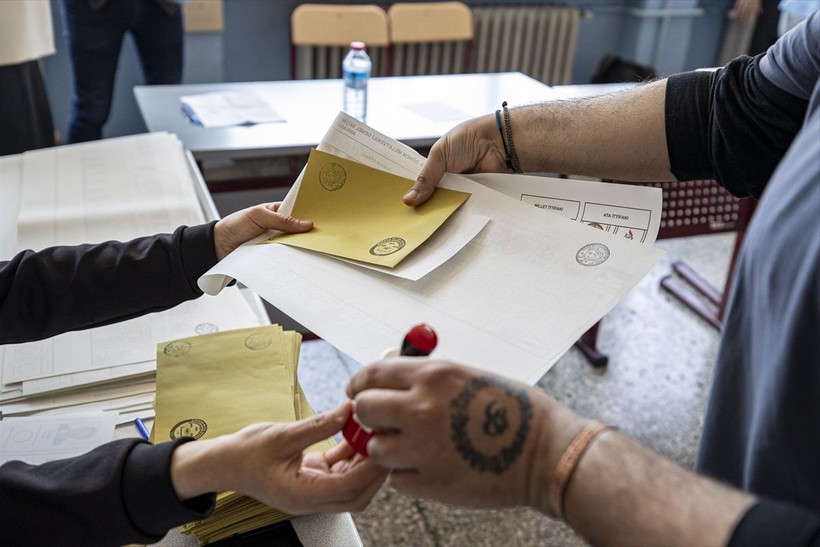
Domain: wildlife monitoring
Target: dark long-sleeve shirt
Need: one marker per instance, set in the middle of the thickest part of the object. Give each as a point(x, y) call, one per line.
point(120, 492)
point(755, 127)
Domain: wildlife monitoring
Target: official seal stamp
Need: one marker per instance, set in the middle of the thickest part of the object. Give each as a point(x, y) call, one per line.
point(593, 254)
point(206, 328)
point(258, 341)
point(177, 348)
point(332, 176)
point(388, 246)
point(192, 427)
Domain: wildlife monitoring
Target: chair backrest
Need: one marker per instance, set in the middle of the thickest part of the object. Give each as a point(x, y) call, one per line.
point(430, 38)
point(699, 207)
point(321, 35)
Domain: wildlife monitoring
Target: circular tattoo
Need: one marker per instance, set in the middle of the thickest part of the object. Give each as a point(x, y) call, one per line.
point(193, 427)
point(592, 254)
point(258, 341)
point(494, 424)
point(332, 176)
point(177, 348)
point(388, 246)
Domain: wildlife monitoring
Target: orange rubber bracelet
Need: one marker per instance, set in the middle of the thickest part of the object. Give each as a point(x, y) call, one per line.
point(569, 461)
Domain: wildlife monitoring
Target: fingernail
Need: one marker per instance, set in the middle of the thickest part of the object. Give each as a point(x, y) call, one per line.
point(411, 195)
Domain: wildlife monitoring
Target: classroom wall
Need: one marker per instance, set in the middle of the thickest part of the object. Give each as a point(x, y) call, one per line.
point(671, 35)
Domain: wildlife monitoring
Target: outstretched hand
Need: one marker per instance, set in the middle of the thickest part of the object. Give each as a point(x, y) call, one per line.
point(241, 226)
point(268, 462)
point(473, 146)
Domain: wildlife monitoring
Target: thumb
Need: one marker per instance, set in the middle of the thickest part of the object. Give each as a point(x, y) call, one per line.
point(302, 434)
point(429, 177)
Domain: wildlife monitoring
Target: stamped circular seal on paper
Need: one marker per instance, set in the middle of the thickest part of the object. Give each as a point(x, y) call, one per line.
point(332, 176)
point(206, 328)
point(192, 427)
point(388, 246)
point(177, 348)
point(258, 341)
point(593, 254)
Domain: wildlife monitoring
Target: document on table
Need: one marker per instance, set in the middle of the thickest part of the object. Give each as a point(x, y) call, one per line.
point(357, 212)
point(631, 212)
point(131, 341)
point(512, 301)
point(226, 108)
point(41, 439)
point(112, 189)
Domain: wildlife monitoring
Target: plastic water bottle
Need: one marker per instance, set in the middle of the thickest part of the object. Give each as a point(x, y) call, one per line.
point(356, 68)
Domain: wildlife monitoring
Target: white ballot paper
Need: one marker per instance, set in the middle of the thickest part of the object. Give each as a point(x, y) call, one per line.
point(41, 439)
point(632, 212)
point(511, 301)
point(224, 108)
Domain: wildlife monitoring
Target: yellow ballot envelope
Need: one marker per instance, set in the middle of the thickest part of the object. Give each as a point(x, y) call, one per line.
point(357, 212)
point(214, 384)
point(217, 383)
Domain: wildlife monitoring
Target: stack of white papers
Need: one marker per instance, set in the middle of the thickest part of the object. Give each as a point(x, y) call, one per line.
point(87, 193)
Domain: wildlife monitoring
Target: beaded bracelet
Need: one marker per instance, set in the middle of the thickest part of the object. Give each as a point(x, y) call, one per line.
point(510, 157)
point(507, 157)
point(569, 461)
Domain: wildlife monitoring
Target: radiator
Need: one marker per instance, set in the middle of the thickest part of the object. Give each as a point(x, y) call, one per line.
point(539, 41)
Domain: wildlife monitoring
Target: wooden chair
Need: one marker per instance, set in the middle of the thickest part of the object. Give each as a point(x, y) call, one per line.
point(430, 38)
point(320, 35)
point(695, 207)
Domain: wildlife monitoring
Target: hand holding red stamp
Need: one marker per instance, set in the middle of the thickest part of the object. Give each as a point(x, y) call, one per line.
point(419, 341)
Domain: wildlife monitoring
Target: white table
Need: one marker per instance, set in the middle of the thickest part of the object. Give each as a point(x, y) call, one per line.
point(415, 110)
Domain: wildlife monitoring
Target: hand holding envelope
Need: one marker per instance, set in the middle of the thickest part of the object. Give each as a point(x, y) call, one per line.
point(357, 212)
point(238, 392)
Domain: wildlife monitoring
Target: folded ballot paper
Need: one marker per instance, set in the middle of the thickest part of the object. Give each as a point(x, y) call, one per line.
point(357, 212)
point(511, 299)
point(215, 384)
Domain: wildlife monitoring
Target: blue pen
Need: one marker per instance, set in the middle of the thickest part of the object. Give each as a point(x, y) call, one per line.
point(141, 428)
point(191, 114)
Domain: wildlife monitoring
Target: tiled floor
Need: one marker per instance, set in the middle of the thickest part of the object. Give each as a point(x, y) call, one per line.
point(654, 388)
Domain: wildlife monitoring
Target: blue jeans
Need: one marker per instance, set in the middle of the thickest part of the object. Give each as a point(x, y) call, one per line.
point(95, 38)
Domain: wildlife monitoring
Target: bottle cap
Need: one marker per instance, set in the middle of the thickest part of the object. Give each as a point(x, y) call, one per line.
point(357, 45)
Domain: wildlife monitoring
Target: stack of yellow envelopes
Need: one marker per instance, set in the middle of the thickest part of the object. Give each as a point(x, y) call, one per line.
point(215, 384)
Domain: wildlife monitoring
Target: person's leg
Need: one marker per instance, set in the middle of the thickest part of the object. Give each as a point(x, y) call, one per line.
point(94, 41)
point(159, 37)
point(25, 115)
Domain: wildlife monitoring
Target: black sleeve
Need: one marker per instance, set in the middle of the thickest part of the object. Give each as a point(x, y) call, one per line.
point(70, 288)
point(770, 522)
point(732, 125)
point(116, 494)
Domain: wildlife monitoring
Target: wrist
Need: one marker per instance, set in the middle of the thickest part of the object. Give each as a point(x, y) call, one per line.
point(199, 467)
point(560, 426)
point(219, 247)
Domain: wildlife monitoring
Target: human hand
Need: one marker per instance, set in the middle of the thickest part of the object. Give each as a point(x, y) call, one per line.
point(267, 462)
point(462, 436)
point(241, 226)
point(747, 10)
point(473, 146)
